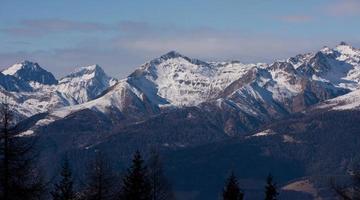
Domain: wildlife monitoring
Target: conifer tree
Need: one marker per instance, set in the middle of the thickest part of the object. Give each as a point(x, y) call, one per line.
point(232, 190)
point(136, 184)
point(160, 186)
point(270, 189)
point(19, 177)
point(100, 180)
point(64, 189)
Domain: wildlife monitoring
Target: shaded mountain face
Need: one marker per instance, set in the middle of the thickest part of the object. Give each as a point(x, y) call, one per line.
point(307, 147)
point(29, 71)
point(12, 84)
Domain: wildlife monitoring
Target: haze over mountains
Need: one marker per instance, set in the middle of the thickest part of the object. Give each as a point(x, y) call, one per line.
point(254, 112)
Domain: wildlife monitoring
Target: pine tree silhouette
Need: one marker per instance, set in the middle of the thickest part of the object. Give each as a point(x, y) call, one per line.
point(232, 190)
point(19, 177)
point(136, 185)
point(64, 189)
point(100, 180)
point(160, 186)
point(270, 189)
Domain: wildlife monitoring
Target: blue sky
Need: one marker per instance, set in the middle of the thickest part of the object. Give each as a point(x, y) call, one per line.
point(120, 35)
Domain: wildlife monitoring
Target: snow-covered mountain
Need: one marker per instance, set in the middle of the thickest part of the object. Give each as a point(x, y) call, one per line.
point(298, 82)
point(167, 82)
point(182, 81)
point(339, 66)
point(85, 84)
point(242, 92)
point(31, 89)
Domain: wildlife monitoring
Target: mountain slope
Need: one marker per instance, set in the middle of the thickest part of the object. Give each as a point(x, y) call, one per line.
point(350, 101)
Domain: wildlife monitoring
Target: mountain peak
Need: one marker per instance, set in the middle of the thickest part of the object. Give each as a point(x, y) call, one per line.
point(343, 44)
point(326, 50)
point(86, 83)
point(347, 49)
point(172, 54)
point(90, 69)
point(88, 72)
point(30, 71)
point(19, 66)
point(175, 54)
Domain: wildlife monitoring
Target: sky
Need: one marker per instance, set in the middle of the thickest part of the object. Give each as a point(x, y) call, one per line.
point(120, 35)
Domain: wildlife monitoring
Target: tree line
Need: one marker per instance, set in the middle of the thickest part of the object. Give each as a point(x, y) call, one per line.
point(142, 181)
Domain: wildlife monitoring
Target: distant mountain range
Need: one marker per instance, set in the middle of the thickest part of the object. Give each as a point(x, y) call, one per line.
point(281, 117)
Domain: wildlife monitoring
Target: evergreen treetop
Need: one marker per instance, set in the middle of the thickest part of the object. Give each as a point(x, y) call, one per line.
point(232, 190)
point(64, 189)
point(270, 189)
point(136, 184)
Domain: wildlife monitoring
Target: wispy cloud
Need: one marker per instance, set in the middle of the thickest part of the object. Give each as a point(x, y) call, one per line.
point(136, 42)
point(344, 7)
point(296, 18)
point(134, 26)
point(41, 27)
point(209, 43)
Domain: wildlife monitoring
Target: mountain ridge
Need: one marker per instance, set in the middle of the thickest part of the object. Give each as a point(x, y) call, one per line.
point(261, 91)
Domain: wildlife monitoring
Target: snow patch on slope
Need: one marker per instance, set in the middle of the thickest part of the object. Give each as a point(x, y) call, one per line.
point(116, 98)
point(290, 139)
point(264, 133)
point(13, 69)
point(348, 101)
